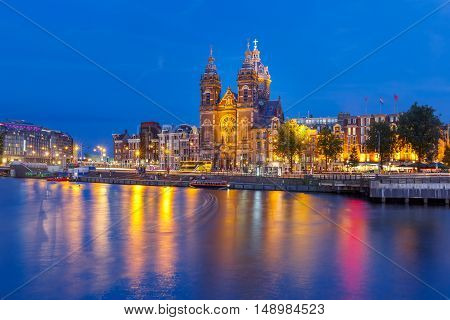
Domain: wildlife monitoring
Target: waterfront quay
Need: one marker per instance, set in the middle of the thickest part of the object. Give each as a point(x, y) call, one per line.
point(417, 188)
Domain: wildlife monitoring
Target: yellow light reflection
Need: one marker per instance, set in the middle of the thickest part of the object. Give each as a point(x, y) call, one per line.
point(166, 213)
point(134, 253)
point(100, 214)
point(74, 226)
point(290, 215)
point(165, 250)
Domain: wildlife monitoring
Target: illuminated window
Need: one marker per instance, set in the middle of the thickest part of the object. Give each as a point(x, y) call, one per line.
point(244, 128)
point(207, 130)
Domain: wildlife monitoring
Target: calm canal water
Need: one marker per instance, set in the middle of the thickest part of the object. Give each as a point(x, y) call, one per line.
point(98, 241)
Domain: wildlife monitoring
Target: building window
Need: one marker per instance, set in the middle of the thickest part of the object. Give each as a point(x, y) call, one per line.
point(244, 132)
point(207, 130)
point(245, 95)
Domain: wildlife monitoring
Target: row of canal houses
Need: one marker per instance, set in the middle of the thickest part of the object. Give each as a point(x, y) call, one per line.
point(167, 146)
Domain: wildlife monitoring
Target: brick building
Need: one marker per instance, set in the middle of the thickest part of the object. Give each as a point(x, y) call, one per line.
point(177, 144)
point(126, 149)
point(149, 142)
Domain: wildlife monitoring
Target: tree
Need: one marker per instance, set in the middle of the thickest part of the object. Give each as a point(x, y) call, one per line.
point(353, 160)
point(382, 140)
point(419, 127)
point(446, 159)
point(329, 145)
point(292, 141)
point(286, 144)
point(303, 140)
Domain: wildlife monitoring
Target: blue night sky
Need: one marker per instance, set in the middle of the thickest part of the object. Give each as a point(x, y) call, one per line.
point(161, 48)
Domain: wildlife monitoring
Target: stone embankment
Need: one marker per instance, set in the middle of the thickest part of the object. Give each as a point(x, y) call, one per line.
point(434, 188)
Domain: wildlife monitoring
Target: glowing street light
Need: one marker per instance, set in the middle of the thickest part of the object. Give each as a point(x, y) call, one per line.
point(101, 150)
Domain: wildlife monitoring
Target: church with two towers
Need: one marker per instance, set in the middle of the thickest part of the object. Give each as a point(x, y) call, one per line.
point(238, 129)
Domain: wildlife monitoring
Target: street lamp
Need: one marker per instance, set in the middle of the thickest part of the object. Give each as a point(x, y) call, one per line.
point(102, 151)
point(167, 151)
point(137, 153)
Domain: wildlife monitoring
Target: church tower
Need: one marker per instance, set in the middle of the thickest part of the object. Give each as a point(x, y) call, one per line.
point(262, 73)
point(247, 82)
point(210, 86)
point(210, 89)
point(253, 79)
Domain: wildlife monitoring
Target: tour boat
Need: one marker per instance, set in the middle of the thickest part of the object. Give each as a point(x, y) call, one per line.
point(212, 184)
point(58, 179)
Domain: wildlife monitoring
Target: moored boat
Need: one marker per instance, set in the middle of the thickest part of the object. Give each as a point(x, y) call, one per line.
point(211, 184)
point(58, 179)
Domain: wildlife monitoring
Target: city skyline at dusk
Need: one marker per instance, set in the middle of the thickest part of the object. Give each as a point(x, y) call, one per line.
point(45, 82)
point(224, 160)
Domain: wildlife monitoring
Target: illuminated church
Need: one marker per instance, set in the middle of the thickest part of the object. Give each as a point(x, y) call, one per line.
point(238, 129)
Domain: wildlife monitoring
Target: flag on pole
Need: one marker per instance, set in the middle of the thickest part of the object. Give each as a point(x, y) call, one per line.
point(395, 102)
point(381, 103)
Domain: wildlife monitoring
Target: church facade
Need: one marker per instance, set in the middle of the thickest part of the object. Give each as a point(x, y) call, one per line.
point(238, 129)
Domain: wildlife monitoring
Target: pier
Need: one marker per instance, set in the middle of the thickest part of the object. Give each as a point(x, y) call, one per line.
point(424, 188)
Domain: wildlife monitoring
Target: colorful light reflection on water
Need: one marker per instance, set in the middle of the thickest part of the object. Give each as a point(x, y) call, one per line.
point(132, 242)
